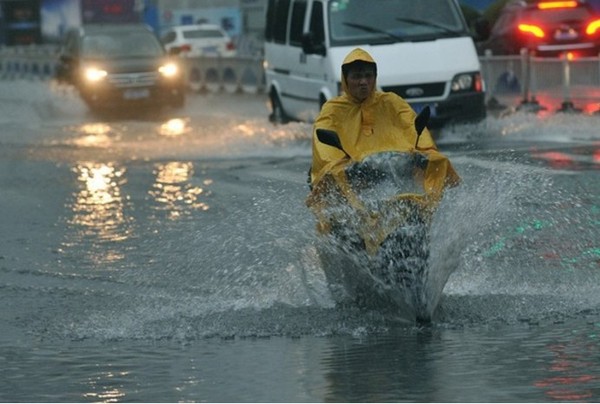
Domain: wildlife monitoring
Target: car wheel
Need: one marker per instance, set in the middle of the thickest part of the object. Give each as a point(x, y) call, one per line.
point(278, 114)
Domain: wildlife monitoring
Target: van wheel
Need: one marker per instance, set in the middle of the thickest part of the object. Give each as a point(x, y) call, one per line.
point(278, 114)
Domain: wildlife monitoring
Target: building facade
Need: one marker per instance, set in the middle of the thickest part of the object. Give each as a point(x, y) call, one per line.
point(25, 22)
point(20, 22)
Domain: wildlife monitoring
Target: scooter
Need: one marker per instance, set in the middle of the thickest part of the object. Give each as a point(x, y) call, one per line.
point(375, 217)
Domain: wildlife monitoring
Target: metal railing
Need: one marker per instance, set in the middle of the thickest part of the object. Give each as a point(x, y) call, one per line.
point(31, 62)
point(232, 74)
point(521, 79)
point(240, 74)
point(529, 79)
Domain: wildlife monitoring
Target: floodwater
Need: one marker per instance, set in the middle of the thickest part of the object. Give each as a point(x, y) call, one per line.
point(170, 257)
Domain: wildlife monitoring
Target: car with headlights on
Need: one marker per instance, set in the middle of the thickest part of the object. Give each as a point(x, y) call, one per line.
point(547, 28)
point(120, 65)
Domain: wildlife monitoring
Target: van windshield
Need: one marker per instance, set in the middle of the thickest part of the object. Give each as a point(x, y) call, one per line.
point(355, 22)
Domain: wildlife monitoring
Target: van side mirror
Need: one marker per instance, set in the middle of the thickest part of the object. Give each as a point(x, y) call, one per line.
point(310, 47)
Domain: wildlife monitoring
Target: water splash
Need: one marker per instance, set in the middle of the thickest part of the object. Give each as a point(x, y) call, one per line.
point(523, 240)
point(515, 241)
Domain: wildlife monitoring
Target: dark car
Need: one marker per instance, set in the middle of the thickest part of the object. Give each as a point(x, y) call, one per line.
point(545, 28)
point(120, 65)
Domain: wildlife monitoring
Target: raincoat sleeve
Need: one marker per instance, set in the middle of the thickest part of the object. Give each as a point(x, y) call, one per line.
point(325, 158)
point(440, 172)
point(406, 121)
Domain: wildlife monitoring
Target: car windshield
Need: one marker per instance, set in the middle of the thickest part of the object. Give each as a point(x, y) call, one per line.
point(202, 33)
point(139, 44)
point(354, 22)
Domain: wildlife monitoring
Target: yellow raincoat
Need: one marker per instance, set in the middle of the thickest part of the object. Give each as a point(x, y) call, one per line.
point(382, 122)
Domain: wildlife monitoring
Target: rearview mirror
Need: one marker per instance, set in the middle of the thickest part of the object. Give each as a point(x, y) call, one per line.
point(422, 120)
point(330, 138)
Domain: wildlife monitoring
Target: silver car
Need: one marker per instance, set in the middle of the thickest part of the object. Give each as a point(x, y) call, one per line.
point(198, 40)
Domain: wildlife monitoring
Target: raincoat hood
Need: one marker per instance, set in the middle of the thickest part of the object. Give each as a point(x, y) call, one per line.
point(355, 55)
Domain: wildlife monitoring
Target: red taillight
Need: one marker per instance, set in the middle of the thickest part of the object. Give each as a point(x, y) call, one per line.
point(593, 28)
point(545, 5)
point(230, 46)
point(531, 29)
point(478, 83)
point(185, 48)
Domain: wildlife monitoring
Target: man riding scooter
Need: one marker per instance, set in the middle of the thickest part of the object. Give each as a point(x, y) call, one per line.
point(376, 180)
point(369, 121)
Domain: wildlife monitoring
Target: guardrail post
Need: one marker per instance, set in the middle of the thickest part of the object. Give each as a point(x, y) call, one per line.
point(528, 104)
point(567, 104)
point(492, 102)
point(597, 112)
point(525, 75)
point(532, 81)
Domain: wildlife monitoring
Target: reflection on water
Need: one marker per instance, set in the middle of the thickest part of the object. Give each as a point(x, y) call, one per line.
point(577, 158)
point(103, 389)
point(572, 369)
point(99, 224)
point(173, 191)
point(99, 204)
point(94, 135)
point(272, 135)
point(98, 209)
point(174, 127)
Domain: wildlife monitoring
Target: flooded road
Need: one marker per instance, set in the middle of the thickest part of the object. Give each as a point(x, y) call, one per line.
point(170, 257)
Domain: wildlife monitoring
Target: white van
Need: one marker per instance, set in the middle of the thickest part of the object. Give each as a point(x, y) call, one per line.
point(423, 50)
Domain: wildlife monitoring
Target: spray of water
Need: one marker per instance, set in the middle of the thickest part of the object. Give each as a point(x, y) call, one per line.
point(513, 241)
point(518, 240)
